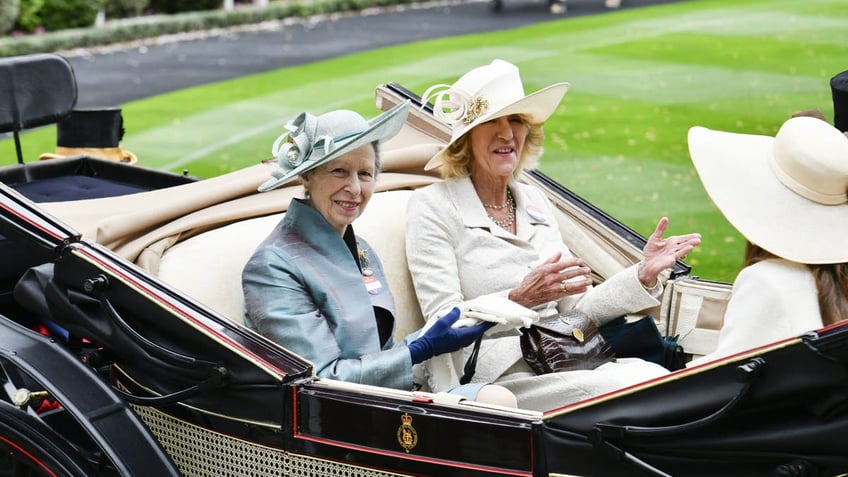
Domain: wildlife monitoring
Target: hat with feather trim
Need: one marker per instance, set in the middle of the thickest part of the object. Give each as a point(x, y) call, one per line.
point(485, 93)
point(311, 141)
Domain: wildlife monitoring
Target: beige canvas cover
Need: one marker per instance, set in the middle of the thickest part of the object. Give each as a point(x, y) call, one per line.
point(140, 227)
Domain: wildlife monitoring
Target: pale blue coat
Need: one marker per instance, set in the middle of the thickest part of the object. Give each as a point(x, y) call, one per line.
point(305, 290)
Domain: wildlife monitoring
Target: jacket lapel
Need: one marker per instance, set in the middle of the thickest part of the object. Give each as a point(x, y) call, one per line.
point(470, 208)
point(529, 213)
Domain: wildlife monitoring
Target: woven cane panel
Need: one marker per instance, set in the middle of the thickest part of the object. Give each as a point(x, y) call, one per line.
point(199, 452)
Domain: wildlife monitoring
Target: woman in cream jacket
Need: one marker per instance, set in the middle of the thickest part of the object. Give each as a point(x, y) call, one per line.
point(479, 233)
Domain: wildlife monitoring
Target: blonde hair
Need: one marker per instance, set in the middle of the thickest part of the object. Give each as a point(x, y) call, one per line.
point(831, 284)
point(457, 156)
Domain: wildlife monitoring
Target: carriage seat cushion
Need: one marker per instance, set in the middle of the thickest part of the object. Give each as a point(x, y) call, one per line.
point(208, 266)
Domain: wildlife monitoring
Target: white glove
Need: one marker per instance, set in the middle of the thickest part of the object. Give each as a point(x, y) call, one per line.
point(505, 313)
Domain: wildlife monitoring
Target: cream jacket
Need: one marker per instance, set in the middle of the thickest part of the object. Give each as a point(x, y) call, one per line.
point(456, 253)
point(771, 300)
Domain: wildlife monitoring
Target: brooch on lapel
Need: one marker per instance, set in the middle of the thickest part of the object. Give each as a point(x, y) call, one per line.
point(535, 213)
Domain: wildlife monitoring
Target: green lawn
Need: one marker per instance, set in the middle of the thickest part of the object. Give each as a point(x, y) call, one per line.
point(639, 80)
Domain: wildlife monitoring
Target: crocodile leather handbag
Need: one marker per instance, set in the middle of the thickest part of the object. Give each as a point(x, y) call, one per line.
point(566, 342)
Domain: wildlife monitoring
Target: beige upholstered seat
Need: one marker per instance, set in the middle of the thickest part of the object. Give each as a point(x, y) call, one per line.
point(208, 266)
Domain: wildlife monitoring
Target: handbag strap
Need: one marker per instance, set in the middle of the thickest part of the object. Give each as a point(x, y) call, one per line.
point(471, 363)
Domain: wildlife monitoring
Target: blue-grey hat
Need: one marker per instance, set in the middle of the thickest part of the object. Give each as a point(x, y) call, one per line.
point(315, 140)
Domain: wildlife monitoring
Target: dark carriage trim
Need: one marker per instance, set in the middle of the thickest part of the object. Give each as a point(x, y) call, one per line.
point(23, 217)
point(727, 417)
point(326, 417)
point(265, 433)
point(672, 377)
point(28, 235)
point(404, 93)
point(219, 330)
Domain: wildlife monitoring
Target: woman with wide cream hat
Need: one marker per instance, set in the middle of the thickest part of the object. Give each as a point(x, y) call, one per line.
point(788, 196)
point(480, 233)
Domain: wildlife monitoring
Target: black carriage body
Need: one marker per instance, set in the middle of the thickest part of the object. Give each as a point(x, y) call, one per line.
point(270, 398)
point(775, 409)
point(778, 410)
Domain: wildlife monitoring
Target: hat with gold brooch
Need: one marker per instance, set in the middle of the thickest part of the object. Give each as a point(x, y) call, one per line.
point(488, 92)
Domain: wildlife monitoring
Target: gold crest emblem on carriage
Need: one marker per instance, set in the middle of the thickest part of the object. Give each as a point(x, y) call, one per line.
point(406, 435)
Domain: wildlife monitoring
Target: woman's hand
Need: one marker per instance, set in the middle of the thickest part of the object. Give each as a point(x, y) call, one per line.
point(443, 337)
point(661, 253)
point(551, 281)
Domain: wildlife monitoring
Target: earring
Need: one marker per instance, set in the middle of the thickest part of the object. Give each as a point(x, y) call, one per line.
point(306, 193)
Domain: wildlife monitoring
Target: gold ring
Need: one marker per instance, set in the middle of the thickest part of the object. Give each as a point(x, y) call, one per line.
point(564, 286)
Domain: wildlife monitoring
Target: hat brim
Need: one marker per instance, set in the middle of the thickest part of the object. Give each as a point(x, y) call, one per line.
point(537, 107)
point(737, 176)
point(380, 129)
point(115, 154)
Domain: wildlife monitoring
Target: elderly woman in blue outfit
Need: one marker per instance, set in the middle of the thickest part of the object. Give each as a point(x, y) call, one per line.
point(315, 287)
point(487, 234)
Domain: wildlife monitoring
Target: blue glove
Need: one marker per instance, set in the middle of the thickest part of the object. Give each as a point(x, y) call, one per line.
point(442, 338)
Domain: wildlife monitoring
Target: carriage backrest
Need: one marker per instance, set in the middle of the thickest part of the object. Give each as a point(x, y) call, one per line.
point(208, 266)
point(36, 90)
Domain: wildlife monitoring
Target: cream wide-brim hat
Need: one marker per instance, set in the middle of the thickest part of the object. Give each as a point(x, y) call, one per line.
point(485, 93)
point(787, 194)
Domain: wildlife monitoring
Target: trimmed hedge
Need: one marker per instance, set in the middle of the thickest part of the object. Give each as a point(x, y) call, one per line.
point(9, 11)
point(59, 15)
point(125, 8)
point(150, 26)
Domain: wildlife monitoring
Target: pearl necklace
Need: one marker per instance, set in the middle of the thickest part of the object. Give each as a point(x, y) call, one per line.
point(501, 206)
point(508, 222)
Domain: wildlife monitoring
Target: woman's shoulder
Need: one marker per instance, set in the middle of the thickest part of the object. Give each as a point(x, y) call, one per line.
point(431, 190)
point(532, 198)
point(531, 192)
point(274, 247)
point(430, 195)
point(773, 266)
point(776, 273)
point(437, 203)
